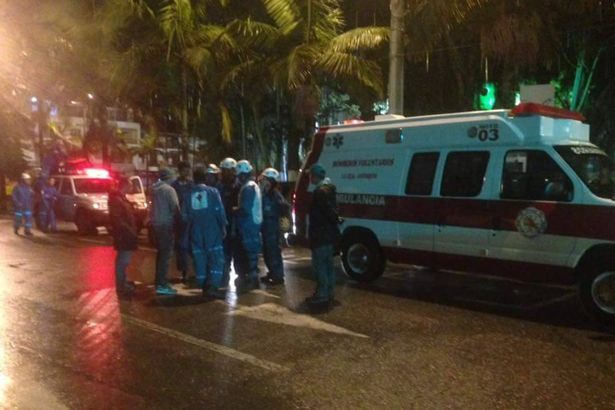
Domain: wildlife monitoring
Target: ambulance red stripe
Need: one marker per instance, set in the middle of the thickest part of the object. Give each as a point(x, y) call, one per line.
point(562, 219)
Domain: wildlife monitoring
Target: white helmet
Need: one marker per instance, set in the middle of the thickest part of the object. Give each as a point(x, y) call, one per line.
point(244, 167)
point(212, 169)
point(228, 163)
point(271, 173)
point(25, 176)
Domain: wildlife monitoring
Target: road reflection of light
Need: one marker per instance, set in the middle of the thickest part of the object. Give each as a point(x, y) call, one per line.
point(231, 302)
point(98, 338)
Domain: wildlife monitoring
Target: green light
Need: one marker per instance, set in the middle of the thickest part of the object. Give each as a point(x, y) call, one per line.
point(486, 99)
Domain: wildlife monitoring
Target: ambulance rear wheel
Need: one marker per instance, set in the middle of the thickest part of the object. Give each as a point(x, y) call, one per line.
point(597, 291)
point(362, 257)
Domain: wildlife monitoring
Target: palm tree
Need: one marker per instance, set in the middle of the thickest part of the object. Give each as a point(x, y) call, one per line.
point(303, 46)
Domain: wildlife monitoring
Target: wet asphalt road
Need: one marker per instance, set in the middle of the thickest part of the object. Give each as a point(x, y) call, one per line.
point(412, 339)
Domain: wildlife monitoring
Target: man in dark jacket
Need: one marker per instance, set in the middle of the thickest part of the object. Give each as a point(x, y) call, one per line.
point(323, 233)
point(124, 232)
point(229, 191)
point(183, 188)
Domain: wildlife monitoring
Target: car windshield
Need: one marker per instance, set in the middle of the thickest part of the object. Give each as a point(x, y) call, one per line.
point(92, 185)
point(136, 186)
point(592, 165)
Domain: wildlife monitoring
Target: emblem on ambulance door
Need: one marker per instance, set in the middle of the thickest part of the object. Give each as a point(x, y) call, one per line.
point(531, 222)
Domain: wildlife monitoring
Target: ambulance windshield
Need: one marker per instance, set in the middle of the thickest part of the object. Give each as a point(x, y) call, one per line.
point(592, 165)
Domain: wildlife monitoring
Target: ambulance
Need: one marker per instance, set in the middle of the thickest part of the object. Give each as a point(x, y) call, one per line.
point(520, 193)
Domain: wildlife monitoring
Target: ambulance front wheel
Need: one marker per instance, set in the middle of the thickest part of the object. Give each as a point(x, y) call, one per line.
point(597, 290)
point(362, 257)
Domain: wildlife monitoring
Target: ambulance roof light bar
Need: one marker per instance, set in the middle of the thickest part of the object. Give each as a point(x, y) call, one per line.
point(528, 109)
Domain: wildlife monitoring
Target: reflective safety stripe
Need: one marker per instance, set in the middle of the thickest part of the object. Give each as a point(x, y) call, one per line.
point(28, 213)
point(18, 214)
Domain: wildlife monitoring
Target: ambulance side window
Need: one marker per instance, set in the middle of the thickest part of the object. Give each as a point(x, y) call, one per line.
point(421, 174)
point(533, 175)
point(464, 173)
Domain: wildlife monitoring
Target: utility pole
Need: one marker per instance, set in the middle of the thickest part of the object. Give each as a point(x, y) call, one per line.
point(396, 58)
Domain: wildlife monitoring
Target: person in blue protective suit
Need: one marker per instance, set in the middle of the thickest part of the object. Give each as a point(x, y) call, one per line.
point(275, 206)
point(23, 201)
point(228, 186)
point(183, 188)
point(49, 195)
point(248, 218)
point(207, 221)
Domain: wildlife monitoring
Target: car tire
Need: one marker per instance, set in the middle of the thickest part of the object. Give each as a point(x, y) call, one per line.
point(362, 257)
point(84, 227)
point(597, 291)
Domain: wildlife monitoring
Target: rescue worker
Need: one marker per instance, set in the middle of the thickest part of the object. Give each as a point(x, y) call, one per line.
point(163, 215)
point(275, 206)
point(323, 234)
point(49, 195)
point(229, 190)
point(183, 189)
point(207, 222)
point(23, 201)
point(248, 217)
point(124, 232)
point(211, 175)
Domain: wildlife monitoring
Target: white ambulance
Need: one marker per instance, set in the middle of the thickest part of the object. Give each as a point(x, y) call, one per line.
point(519, 193)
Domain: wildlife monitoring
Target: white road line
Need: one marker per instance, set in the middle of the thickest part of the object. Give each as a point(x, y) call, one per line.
point(223, 350)
point(264, 293)
point(271, 312)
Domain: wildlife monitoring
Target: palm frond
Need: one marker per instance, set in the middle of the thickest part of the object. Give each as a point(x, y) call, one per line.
point(361, 38)
point(285, 13)
point(254, 33)
point(176, 20)
point(299, 64)
point(347, 65)
point(327, 20)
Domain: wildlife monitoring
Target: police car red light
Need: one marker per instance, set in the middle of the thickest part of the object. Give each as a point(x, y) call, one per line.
point(96, 173)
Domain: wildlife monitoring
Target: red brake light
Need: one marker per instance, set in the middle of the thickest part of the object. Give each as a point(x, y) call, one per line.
point(527, 109)
point(96, 173)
